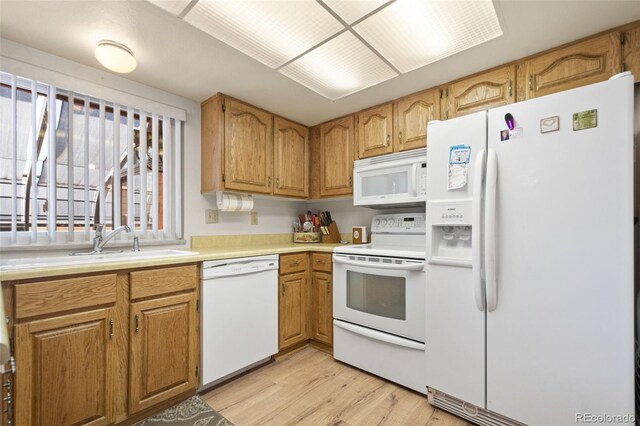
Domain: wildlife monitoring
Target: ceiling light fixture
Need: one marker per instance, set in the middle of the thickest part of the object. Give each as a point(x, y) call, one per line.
point(115, 56)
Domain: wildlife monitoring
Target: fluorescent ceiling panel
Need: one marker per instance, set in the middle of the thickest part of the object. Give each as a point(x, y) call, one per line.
point(341, 66)
point(271, 31)
point(414, 33)
point(175, 7)
point(351, 11)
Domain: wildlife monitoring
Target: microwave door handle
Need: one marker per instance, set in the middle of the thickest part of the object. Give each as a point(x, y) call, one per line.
point(414, 178)
point(404, 267)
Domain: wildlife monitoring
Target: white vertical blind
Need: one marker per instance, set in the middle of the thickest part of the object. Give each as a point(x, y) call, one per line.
point(167, 136)
point(86, 138)
point(154, 171)
point(70, 168)
point(143, 172)
point(87, 197)
point(116, 167)
point(14, 161)
point(51, 169)
point(34, 163)
point(177, 172)
point(102, 165)
point(130, 200)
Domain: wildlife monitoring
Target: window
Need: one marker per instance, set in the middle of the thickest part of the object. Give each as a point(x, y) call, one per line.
point(70, 161)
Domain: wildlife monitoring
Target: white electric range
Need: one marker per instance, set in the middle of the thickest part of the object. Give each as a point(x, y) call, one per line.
point(379, 300)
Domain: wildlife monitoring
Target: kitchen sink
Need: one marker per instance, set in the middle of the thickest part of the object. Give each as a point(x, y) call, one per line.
point(105, 257)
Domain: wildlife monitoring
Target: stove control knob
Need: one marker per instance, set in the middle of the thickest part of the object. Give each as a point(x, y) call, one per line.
point(377, 222)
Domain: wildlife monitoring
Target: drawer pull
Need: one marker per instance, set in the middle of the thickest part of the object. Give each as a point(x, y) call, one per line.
point(321, 261)
point(296, 263)
point(136, 322)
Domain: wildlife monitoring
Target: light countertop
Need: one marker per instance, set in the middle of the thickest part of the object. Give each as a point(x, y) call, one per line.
point(258, 247)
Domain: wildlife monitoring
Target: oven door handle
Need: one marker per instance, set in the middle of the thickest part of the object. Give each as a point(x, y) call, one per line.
point(377, 335)
point(418, 266)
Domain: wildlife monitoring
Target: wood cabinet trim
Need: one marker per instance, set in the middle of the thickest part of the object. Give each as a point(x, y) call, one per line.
point(157, 282)
point(55, 296)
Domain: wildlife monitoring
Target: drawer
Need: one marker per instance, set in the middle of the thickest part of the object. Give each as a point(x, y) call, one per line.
point(52, 296)
point(156, 282)
point(321, 262)
point(293, 263)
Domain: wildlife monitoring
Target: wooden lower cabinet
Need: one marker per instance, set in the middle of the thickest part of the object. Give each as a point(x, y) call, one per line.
point(292, 311)
point(305, 300)
point(65, 370)
point(82, 346)
point(163, 357)
point(322, 307)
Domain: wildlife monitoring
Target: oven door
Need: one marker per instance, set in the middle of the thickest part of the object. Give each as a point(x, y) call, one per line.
point(382, 293)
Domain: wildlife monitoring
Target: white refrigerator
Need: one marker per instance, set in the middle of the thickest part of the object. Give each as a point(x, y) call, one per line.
point(529, 297)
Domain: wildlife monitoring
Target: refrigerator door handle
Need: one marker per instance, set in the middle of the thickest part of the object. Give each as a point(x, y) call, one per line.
point(490, 231)
point(476, 231)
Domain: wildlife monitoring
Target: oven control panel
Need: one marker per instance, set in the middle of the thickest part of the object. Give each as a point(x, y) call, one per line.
point(399, 223)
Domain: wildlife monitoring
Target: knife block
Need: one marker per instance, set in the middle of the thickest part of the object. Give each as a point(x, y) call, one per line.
point(334, 234)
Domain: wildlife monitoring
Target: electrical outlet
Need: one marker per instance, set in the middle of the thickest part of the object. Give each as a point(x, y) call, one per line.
point(211, 216)
point(254, 218)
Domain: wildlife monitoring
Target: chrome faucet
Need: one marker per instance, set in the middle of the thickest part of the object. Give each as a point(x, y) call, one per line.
point(99, 242)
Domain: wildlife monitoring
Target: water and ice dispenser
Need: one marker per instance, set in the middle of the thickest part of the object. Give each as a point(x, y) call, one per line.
point(450, 233)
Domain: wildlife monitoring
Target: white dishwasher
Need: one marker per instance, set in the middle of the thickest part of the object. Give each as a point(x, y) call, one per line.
point(239, 315)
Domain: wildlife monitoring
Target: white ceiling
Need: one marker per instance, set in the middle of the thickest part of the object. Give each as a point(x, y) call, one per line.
point(176, 57)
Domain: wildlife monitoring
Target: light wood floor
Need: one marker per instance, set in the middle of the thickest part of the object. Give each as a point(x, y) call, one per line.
point(309, 387)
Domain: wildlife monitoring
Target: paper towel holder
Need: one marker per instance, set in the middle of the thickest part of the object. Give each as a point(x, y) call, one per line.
point(234, 202)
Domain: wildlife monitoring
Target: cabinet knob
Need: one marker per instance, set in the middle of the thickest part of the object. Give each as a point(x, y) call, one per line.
point(510, 88)
point(136, 323)
point(530, 82)
point(110, 329)
point(400, 137)
point(388, 138)
point(269, 181)
point(277, 182)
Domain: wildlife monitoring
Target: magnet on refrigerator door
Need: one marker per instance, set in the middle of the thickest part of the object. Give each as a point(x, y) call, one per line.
point(550, 124)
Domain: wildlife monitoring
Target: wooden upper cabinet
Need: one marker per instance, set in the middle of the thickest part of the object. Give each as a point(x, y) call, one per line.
point(483, 91)
point(248, 147)
point(631, 52)
point(291, 158)
point(411, 118)
point(66, 370)
point(336, 157)
point(163, 350)
point(579, 64)
point(375, 129)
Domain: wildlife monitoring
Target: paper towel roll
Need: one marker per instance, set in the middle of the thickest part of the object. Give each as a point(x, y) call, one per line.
point(229, 202)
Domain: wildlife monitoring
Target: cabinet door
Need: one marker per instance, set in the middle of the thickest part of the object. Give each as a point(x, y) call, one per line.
point(412, 115)
point(291, 158)
point(573, 66)
point(322, 303)
point(631, 52)
point(248, 148)
point(66, 368)
point(292, 309)
point(163, 350)
point(375, 127)
point(336, 157)
point(487, 90)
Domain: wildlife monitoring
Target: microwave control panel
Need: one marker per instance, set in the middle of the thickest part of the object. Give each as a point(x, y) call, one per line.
point(399, 223)
point(421, 180)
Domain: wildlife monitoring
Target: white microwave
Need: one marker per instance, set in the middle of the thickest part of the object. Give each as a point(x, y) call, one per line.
point(391, 180)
